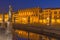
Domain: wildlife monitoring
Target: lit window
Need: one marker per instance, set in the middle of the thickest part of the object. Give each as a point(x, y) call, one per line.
point(40, 20)
point(44, 21)
point(58, 20)
point(48, 18)
point(0, 18)
point(53, 21)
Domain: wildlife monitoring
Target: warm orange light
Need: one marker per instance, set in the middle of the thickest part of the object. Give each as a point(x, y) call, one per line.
point(58, 20)
point(0, 19)
point(22, 33)
point(53, 21)
point(40, 20)
point(24, 20)
point(44, 21)
point(48, 18)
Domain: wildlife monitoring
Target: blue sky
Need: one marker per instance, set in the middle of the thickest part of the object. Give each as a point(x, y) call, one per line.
point(19, 4)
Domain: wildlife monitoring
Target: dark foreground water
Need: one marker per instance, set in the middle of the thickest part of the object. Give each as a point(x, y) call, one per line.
point(23, 35)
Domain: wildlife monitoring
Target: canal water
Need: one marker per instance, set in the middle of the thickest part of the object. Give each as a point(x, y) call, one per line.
point(24, 35)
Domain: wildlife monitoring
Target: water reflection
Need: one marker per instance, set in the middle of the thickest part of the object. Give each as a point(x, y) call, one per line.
point(24, 35)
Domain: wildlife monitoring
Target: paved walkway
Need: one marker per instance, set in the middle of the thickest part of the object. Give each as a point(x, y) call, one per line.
point(3, 36)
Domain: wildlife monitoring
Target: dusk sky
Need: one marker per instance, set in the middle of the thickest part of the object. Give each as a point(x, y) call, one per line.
point(19, 4)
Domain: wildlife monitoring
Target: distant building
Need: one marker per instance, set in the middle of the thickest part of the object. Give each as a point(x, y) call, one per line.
point(35, 15)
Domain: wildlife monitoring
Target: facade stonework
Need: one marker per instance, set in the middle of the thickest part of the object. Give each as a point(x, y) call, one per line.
point(35, 15)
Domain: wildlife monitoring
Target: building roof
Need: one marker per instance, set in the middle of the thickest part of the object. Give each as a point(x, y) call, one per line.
point(35, 8)
point(52, 8)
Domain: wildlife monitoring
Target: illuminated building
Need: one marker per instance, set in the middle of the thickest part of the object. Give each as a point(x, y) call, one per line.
point(29, 15)
point(35, 15)
point(52, 14)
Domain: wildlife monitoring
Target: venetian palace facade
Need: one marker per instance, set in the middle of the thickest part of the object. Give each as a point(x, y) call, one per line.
point(34, 15)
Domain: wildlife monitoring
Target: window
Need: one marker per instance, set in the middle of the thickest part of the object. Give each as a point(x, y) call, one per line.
point(46, 11)
point(55, 12)
point(55, 17)
point(59, 12)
